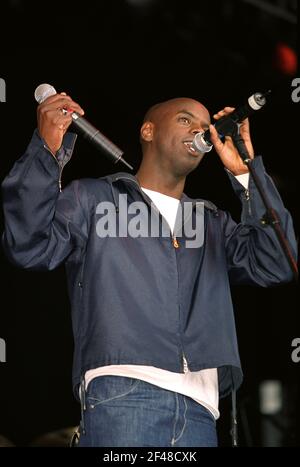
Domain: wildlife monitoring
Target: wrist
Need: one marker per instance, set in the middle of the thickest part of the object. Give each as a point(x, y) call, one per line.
point(239, 172)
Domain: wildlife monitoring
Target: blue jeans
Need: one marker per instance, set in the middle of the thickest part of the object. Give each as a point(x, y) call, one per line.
point(126, 412)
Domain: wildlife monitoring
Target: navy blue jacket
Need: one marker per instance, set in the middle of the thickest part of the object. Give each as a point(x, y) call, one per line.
point(140, 300)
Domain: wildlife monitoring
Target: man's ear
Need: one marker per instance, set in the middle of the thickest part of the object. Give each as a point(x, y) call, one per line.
point(147, 131)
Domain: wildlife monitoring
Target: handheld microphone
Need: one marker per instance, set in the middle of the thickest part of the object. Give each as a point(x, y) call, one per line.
point(202, 142)
point(85, 128)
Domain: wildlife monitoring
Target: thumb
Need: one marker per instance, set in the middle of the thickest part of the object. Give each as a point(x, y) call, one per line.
point(215, 138)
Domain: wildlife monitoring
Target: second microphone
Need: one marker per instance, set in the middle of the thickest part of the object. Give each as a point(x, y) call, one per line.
point(91, 133)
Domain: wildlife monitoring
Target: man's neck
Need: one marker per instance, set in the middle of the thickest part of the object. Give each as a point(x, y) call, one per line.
point(165, 184)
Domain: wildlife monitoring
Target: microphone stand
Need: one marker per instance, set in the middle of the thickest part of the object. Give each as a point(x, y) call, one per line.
point(270, 217)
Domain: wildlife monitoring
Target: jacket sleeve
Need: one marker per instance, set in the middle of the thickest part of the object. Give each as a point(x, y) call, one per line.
point(254, 254)
point(42, 225)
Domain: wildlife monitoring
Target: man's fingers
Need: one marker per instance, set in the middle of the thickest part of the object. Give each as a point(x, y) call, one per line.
point(215, 137)
point(60, 102)
point(55, 97)
point(58, 118)
point(223, 112)
point(245, 125)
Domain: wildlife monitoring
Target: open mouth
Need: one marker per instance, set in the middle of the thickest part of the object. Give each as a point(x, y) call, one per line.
point(190, 147)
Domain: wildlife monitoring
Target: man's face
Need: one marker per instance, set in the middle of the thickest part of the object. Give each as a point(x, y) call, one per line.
point(174, 125)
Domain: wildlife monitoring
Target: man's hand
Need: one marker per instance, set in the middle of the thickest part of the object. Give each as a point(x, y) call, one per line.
point(54, 116)
point(227, 151)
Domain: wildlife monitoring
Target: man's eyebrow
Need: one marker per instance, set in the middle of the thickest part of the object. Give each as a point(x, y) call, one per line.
point(184, 111)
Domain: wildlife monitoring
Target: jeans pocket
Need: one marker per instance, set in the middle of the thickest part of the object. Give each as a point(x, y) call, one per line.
point(207, 414)
point(103, 389)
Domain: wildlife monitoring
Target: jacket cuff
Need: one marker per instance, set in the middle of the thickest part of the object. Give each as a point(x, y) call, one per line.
point(258, 165)
point(68, 143)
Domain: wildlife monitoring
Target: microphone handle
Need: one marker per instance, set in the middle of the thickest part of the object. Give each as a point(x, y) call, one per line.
point(202, 141)
point(254, 103)
point(93, 135)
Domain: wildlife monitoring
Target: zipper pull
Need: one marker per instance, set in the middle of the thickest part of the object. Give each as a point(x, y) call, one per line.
point(185, 365)
point(175, 242)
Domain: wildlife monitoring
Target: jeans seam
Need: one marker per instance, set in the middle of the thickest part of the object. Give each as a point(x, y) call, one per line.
point(176, 418)
point(184, 424)
point(115, 397)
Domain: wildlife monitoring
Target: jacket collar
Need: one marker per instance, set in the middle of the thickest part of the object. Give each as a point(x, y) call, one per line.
point(128, 177)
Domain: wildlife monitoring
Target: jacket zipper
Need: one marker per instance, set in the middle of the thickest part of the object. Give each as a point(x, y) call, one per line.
point(175, 242)
point(174, 239)
point(59, 178)
point(175, 245)
point(60, 165)
point(247, 200)
point(184, 364)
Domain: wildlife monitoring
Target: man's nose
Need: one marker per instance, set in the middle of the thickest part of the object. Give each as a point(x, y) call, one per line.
point(197, 129)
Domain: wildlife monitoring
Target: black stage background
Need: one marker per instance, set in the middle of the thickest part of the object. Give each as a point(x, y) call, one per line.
point(116, 58)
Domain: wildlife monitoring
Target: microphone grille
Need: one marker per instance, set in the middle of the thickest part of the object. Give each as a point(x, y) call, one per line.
point(199, 143)
point(43, 91)
point(257, 101)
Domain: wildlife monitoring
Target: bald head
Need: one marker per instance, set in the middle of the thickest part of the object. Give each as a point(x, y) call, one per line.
point(158, 111)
